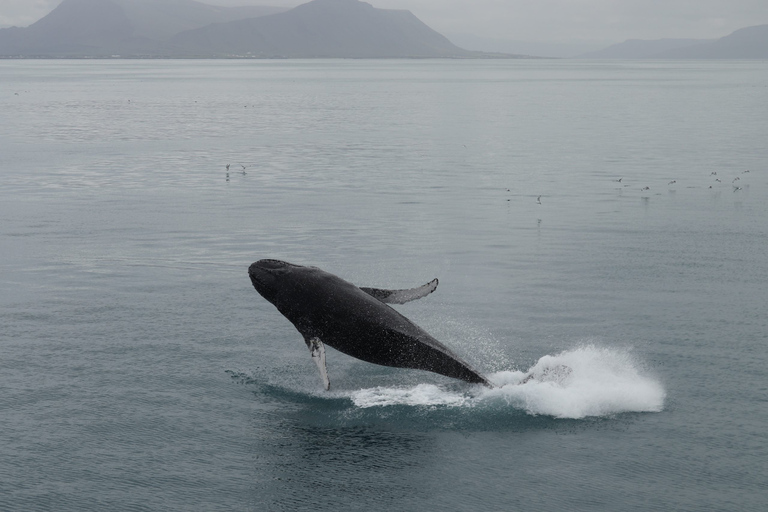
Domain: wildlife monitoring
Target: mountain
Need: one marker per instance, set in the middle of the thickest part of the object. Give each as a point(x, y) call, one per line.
point(641, 49)
point(321, 28)
point(80, 28)
point(74, 27)
point(745, 43)
point(186, 28)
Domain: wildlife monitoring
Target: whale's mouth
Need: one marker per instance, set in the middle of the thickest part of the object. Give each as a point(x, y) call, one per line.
point(256, 279)
point(262, 277)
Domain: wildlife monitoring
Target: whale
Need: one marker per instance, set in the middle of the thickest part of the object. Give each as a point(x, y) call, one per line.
point(357, 321)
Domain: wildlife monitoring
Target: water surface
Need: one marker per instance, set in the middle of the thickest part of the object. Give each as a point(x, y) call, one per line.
point(141, 371)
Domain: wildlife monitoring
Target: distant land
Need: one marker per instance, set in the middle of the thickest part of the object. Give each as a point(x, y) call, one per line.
point(190, 29)
point(513, 46)
point(322, 28)
point(317, 29)
point(641, 49)
point(99, 28)
point(745, 43)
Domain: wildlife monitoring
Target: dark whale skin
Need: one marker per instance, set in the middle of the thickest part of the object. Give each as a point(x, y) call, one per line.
point(322, 305)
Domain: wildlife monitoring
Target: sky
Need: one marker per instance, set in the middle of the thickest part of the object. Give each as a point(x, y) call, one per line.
point(560, 21)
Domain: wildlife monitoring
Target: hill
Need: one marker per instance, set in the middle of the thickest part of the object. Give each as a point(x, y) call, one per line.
point(321, 28)
point(745, 43)
point(93, 28)
point(74, 27)
point(641, 49)
point(186, 28)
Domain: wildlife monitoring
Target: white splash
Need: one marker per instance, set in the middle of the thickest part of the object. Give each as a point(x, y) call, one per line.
point(423, 394)
point(587, 381)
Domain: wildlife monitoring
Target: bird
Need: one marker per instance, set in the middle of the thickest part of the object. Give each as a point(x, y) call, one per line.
point(735, 179)
point(645, 188)
point(538, 199)
point(713, 173)
point(736, 189)
point(718, 180)
point(745, 172)
point(618, 180)
point(672, 182)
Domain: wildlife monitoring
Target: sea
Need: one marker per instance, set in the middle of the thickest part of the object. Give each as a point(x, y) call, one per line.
point(607, 216)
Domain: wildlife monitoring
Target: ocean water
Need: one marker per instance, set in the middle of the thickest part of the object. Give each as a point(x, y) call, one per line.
point(140, 370)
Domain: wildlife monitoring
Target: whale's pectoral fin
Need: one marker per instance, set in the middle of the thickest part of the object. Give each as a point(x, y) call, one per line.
point(317, 350)
point(401, 296)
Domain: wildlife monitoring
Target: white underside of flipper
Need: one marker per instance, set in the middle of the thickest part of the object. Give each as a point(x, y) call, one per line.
point(401, 296)
point(317, 349)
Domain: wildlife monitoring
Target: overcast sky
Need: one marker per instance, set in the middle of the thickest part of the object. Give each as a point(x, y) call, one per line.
point(529, 20)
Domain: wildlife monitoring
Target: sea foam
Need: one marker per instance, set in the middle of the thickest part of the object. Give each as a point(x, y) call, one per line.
point(585, 381)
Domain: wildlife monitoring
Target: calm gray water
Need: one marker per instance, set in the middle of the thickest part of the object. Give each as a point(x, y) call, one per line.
point(139, 370)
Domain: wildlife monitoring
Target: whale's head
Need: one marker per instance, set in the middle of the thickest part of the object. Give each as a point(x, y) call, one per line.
point(270, 277)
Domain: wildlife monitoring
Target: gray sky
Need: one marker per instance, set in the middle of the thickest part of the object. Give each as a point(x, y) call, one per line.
point(529, 20)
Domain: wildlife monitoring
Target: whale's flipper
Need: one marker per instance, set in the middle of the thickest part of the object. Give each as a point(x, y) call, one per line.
point(401, 296)
point(317, 349)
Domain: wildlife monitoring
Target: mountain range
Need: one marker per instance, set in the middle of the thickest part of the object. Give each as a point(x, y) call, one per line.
point(186, 28)
point(319, 28)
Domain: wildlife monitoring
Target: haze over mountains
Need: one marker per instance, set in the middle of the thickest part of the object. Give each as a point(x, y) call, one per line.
point(319, 28)
point(186, 28)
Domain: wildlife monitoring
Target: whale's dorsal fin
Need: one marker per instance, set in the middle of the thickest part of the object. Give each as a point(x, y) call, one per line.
point(317, 350)
point(401, 296)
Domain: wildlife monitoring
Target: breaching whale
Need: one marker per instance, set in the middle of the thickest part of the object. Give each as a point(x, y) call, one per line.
point(326, 309)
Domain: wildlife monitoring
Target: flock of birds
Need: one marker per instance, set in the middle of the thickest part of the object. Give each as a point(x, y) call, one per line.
point(646, 188)
point(241, 165)
point(735, 182)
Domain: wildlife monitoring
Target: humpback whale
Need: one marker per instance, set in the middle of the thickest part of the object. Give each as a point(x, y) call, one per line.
point(326, 309)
